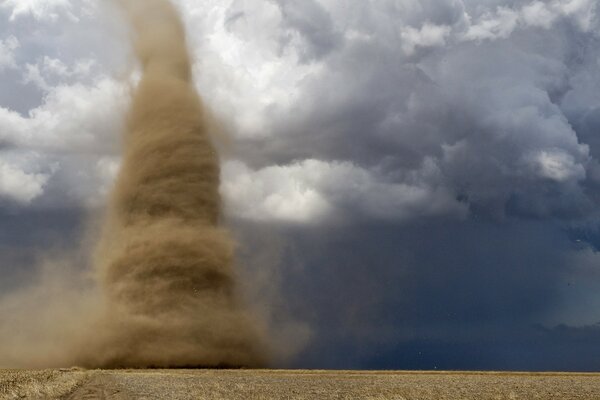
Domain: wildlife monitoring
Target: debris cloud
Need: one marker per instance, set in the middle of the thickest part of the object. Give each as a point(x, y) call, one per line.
point(163, 262)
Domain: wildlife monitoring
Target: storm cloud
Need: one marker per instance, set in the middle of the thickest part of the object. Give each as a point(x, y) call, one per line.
point(440, 156)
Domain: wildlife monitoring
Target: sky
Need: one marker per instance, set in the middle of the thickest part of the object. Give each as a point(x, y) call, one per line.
point(413, 184)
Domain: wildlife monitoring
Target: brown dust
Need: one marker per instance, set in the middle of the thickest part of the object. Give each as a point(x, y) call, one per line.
point(163, 289)
point(164, 263)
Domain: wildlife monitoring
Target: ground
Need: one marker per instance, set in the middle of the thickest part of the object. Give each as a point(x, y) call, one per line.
point(282, 384)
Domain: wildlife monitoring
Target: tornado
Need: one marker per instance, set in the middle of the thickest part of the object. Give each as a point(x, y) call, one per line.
point(164, 262)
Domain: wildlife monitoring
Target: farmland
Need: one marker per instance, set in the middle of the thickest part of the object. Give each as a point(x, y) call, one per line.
point(294, 384)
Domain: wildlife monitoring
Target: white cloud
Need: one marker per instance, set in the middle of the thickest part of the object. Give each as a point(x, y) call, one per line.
point(74, 130)
point(287, 193)
point(241, 66)
point(313, 191)
point(538, 14)
point(54, 67)
point(18, 185)
point(428, 35)
point(107, 169)
point(72, 118)
point(384, 111)
point(39, 9)
point(558, 166)
point(50, 69)
point(354, 92)
point(499, 24)
point(32, 74)
point(7, 52)
point(583, 11)
point(502, 22)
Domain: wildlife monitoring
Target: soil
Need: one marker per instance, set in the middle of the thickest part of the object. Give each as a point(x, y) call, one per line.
point(297, 384)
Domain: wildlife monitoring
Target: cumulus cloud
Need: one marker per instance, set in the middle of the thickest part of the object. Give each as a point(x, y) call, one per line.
point(502, 22)
point(18, 184)
point(312, 190)
point(557, 166)
point(42, 9)
point(402, 113)
point(53, 69)
point(7, 52)
point(61, 103)
point(309, 27)
point(427, 36)
point(75, 127)
point(386, 89)
point(507, 91)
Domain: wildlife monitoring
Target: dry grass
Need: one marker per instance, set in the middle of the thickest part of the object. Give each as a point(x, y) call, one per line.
point(297, 385)
point(258, 385)
point(44, 384)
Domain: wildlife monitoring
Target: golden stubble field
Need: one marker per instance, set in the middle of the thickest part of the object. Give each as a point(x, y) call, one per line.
point(296, 384)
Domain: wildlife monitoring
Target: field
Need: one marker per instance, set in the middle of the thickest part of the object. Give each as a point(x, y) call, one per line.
point(283, 384)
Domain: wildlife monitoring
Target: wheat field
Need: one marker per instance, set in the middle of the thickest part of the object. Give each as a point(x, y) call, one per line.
point(294, 384)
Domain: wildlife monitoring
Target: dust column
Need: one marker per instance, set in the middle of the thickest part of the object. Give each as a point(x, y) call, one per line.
point(163, 262)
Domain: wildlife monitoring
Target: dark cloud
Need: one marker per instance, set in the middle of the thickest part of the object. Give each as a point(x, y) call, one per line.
point(16, 95)
point(28, 236)
point(421, 178)
point(314, 26)
point(532, 348)
point(490, 115)
point(439, 294)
